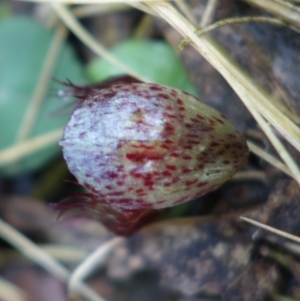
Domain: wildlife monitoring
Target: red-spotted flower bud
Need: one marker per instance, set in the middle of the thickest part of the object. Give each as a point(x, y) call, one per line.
point(138, 146)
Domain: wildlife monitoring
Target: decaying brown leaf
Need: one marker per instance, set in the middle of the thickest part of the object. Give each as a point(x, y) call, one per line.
point(196, 258)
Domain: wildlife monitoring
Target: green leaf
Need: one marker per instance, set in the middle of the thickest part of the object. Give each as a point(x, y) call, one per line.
point(155, 60)
point(24, 45)
point(5, 9)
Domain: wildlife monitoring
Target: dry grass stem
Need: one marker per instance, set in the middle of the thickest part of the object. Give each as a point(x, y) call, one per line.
point(33, 252)
point(292, 247)
point(208, 13)
point(144, 8)
point(42, 84)
point(283, 105)
point(90, 264)
point(10, 292)
point(64, 253)
point(37, 255)
point(182, 5)
point(271, 229)
point(268, 158)
point(61, 253)
point(26, 147)
point(71, 22)
point(251, 175)
point(279, 147)
point(97, 9)
point(231, 21)
point(281, 9)
point(254, 98)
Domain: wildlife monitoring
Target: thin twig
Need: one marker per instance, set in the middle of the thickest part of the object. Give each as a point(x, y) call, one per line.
point(37, 255)
point(267, 157)
point(42, 84)
point(208, 13)
point(10, 292)
point(143, 7)
point(240, 20)
point(186, 11)
point(71, 22)
point(26, 147)
point(278, 145)
point(282, 9)
point(90, 264)
point(232, 21)
point(62, 253)
point(90, 10)
point(292, 247)
point(34, 253)
point(271, 229)
point(250, 175)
